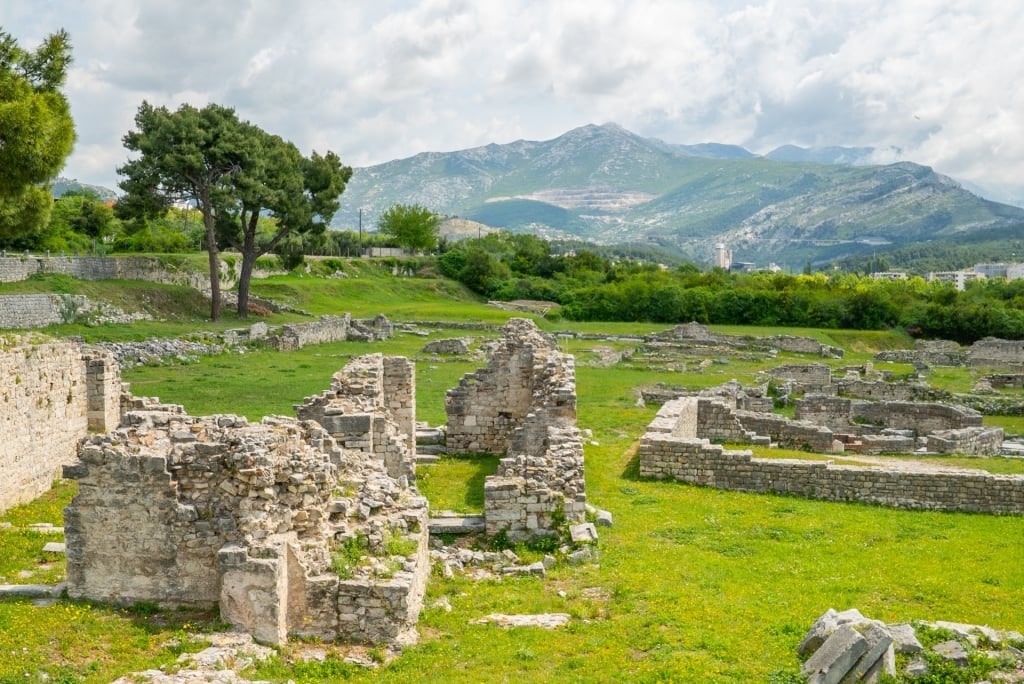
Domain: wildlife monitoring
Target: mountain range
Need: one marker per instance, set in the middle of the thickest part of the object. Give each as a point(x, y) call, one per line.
point(608, 185)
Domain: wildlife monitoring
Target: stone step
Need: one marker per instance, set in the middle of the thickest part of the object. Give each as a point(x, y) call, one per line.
point(427, 459)
point(430, 449)
point(461, 524)
point(429, 436)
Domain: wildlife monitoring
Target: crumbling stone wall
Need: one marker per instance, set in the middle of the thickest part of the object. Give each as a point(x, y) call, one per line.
point(371, 407)
point(927, 352)
point(490, 403)
point(826, 423)
point(523, 404)
point(17, 268)
point(1003, 380)
point(697, 461)
point(697, 335)
point(992, 352)
point(331, 329)
point(805, 377)
point(53, 395)
point(252, 517)
point(979, 441)
point(922, 417)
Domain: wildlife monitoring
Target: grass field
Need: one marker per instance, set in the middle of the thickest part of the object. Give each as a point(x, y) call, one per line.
point(693, 584)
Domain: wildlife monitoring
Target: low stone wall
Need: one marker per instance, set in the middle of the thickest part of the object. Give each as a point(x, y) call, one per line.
point(980, 441)
point(879, 390)
point(331, 329)
point(921, 417)
point(806, 377)
point(53, 393)
point(695, 334)
point(17, 268)
point(992, 352)
point(41, 310)
point(697, 461)
point(183, 510)
point(1006, 380)
point(796, 434)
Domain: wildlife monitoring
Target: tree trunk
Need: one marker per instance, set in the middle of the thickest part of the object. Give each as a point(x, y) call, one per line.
point(248, 263)
point(211, 248)
point(249, 255)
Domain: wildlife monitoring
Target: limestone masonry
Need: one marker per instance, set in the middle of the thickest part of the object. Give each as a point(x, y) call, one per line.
point(672, 449)
point(523, 405)
point(54, 393)
point(288, 526)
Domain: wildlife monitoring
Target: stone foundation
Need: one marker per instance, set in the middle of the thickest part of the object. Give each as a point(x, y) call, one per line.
point(331, 329)
point(667, 453)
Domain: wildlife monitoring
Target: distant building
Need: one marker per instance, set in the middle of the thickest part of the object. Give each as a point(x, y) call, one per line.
point(1008, 271)
point(889, 275)
point(958, 278)
point(991, 270)
point(723, 256)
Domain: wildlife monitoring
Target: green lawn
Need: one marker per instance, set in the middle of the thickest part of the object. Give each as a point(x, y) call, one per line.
point(693, 584)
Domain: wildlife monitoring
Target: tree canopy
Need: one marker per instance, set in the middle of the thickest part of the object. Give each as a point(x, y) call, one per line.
point(252, 189)
point(37, 132)
point(412, 226)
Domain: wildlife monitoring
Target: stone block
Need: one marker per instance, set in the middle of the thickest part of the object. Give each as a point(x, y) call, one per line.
point(583, 533)
point(836, 656)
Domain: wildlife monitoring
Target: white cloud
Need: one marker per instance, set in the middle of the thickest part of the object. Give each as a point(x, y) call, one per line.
point(391, 78)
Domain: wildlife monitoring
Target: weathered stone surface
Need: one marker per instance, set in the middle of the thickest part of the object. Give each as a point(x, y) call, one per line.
point(454, 345)
point(542, 620)
point(836, 657)
point(209, 511)
point(879, 659)
point(53, 393)
point(221, 663)
point(523, 404)
point(905, 639)
point(952, 651)
point(674, 448)
point(583, 533)
point(818, 633)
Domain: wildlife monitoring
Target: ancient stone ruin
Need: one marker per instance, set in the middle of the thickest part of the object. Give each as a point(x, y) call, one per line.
point(54, 394)
point(291, 526)
point(523, 405)
point(989, 352)
point(827, 420)
point(695, 336)
point(677, 446)
point(850, 648)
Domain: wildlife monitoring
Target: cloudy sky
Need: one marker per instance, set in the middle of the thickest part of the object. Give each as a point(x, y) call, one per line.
point(939, 82)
